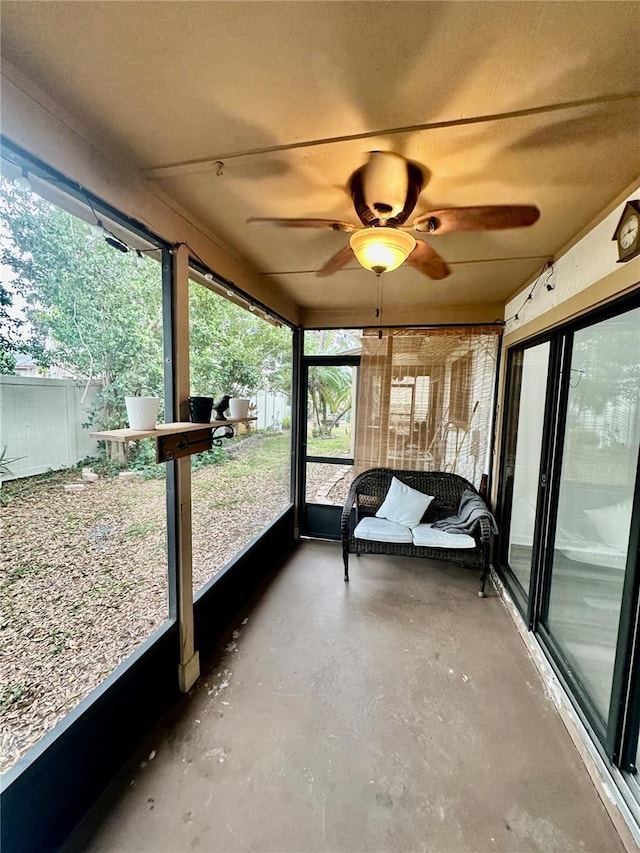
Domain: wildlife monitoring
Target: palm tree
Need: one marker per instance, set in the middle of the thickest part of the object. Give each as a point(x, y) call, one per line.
point(330, 396)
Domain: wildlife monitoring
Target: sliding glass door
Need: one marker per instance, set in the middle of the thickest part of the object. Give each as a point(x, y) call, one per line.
point(597, 474)
point(528, 376)
point(569, 513)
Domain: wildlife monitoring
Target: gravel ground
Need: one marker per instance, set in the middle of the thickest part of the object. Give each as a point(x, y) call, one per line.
point(84, 577)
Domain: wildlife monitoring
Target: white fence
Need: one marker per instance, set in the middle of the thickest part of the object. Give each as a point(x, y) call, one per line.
point(41, 424)
point(272, 409)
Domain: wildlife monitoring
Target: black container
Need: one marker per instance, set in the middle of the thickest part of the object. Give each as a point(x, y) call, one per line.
point(200, 409)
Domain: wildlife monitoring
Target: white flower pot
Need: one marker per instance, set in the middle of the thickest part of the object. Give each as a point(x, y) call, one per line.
point(142, 412)
point(238, 408)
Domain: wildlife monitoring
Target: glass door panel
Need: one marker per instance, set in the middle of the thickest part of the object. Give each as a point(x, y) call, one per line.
point(597, 476)
point(523, 448)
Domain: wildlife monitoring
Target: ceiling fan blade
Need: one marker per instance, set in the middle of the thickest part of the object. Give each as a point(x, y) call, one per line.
point(336, 262)
point(333, 224)
point(427, 261)
point(487, 218)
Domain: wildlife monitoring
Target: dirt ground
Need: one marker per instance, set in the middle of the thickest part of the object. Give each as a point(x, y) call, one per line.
point(84, 575)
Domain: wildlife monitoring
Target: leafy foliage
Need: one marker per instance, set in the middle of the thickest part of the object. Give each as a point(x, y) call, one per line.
point(90, 310)
point(331, 341)
point(234, 352)
point(5, 462)
point(606, 363)
point(330, 397)
point(329, 393)
point(97, 313)
point(10, 344)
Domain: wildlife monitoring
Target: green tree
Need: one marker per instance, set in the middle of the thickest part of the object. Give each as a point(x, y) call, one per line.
point(330, 396)
point(332, 341)
point(233, 351)
point(330, 388)
point(90, 309)
point(10, 333)
point(97, 313)
point(606, 363)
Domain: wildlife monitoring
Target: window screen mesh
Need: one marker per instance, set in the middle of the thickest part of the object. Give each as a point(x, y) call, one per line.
point(426, 398)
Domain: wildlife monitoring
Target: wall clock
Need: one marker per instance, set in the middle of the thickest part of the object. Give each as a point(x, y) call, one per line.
point(627, 233)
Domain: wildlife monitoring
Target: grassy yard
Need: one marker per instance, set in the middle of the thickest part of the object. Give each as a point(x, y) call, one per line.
point(84, 575)
point(338, 444)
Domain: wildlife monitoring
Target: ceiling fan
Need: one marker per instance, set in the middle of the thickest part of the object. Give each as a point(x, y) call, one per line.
point(384, 192)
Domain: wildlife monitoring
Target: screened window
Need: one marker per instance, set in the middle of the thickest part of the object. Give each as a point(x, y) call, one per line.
point(239, 487)
point(84, 555)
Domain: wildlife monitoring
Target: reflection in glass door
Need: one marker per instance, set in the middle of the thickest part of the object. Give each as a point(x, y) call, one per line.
point(596, 487)
point(523, 448)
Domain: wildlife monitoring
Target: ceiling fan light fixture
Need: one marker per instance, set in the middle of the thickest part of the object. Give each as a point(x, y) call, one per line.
point(381, 249)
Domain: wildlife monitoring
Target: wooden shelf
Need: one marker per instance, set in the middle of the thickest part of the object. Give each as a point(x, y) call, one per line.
point(173, 441)
point(163, 429)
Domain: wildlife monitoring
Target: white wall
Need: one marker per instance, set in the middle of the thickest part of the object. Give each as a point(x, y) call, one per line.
point(41, 423)
point(590, 260)
point(585, 276)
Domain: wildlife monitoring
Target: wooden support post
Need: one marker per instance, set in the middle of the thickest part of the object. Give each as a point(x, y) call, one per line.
point(189, 665)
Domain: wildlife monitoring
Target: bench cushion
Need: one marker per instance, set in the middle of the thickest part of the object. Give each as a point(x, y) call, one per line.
point(381, 530)
point(426, 536)
point(403, 504)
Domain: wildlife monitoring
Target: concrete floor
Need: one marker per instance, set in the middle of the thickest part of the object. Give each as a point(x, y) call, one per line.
point(399, 712)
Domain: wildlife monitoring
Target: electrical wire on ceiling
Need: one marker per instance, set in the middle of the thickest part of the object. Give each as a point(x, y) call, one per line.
point(529, 297)
point(100, 229)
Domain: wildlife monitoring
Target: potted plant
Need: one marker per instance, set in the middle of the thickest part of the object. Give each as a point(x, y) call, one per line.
point(239, 407)
point(142, 411)
point(239, 402)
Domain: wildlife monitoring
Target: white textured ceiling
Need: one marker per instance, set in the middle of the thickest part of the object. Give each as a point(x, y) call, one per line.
point(291, 96)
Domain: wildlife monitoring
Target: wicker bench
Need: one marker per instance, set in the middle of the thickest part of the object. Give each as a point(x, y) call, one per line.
point(367, 494)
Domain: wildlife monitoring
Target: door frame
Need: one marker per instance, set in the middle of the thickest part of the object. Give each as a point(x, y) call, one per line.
point(617, 740)
point(525, 599)
point(319, 521)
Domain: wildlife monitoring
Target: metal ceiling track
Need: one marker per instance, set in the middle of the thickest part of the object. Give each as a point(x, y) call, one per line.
point(213, 163)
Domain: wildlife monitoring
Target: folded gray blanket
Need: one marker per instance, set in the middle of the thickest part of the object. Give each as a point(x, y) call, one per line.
point(471, 508)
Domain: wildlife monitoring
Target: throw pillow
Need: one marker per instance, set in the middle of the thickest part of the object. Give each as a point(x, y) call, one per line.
point(612, 523)
point(403, 504)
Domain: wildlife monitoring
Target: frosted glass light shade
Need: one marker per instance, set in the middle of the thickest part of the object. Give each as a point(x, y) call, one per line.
point(381, 249)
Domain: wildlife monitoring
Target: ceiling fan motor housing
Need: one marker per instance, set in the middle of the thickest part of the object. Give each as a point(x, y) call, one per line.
point(385, 183)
